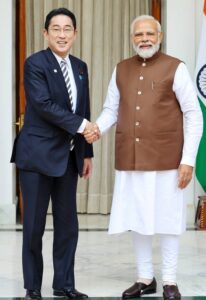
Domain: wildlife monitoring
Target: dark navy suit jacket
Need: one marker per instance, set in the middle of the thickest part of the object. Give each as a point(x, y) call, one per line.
point(43, 143)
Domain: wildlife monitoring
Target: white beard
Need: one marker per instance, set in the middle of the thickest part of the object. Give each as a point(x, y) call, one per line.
point(146, 53)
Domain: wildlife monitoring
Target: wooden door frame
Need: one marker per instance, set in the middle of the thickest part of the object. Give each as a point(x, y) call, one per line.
point(156, 9)
point(20, 96)
point(20, 53)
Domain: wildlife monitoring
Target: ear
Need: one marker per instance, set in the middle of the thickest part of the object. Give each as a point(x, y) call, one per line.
point(45, 33)
point(132, 38)
point(160, 37)
point(75, 34)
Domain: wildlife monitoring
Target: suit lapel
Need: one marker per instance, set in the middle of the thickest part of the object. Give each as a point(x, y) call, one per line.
point(56, 72)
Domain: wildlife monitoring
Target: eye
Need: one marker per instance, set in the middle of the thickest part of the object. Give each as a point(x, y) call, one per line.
point(151, 33)
point(55, 30)
point(138, 34)
point(67, 30)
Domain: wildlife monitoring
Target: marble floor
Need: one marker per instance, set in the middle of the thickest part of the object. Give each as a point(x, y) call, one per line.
point(104, 264)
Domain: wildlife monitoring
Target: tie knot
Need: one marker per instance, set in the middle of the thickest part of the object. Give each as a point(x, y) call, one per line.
point(63, 62)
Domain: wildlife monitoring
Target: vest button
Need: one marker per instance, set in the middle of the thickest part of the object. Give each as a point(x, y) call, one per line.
point(144, 64)
point(139, 93)
point(141, 78)
point(137, 107)
point(137, 139)
point(137, 123)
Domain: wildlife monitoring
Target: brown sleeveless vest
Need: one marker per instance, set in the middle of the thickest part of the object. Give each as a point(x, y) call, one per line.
point(149, 132)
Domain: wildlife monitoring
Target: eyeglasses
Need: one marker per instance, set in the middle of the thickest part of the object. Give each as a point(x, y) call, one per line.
point(58, 31)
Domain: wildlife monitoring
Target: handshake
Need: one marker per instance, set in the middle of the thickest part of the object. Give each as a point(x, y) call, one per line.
point(91, 132)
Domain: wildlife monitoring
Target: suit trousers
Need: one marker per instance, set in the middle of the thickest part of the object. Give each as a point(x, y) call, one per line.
point(37, 190)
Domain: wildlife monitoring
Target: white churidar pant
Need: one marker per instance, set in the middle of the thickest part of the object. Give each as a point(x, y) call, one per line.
point(143, 254)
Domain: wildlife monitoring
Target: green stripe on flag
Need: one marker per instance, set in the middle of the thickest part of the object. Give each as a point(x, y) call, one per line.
point(201, 156)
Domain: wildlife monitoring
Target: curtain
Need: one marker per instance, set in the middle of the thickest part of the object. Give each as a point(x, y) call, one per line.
point(103, 40)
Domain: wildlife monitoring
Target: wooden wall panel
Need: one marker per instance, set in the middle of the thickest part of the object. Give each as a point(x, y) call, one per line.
point(156, 9)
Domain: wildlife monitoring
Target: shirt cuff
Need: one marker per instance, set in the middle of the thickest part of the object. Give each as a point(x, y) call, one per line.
point(100, 127)
point(82, 126)
point(187, 160)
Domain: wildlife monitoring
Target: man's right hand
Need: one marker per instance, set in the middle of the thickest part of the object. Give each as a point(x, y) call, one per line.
point(91, 132)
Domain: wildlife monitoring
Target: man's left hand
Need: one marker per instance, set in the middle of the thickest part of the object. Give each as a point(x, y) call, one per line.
point(184, 175)
point(87, 168)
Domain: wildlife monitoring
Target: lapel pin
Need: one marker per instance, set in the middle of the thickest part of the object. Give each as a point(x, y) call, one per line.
point(55, 70)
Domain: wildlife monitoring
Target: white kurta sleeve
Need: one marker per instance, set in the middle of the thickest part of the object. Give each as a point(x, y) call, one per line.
point(192, 115)
point(108, 116)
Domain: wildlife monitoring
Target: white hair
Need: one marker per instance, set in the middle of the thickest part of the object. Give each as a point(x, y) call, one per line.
point(142, 18)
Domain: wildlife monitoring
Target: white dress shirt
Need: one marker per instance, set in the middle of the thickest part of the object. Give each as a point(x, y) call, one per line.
point(73, 87)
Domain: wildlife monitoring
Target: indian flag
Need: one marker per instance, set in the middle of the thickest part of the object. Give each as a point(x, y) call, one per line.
point(200, 81)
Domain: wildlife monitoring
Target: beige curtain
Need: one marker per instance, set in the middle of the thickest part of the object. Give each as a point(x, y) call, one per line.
point(103, 40)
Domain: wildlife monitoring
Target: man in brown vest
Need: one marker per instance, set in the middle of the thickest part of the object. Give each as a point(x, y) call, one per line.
point(150, 97)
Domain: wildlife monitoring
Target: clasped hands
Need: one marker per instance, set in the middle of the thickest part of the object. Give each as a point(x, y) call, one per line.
point(91, 132)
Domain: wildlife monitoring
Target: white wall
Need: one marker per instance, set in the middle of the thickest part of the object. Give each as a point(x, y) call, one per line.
point(183, 25)
point(7, 113)
point(182, 20)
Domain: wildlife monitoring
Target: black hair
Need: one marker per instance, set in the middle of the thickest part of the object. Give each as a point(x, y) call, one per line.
point(59, 11)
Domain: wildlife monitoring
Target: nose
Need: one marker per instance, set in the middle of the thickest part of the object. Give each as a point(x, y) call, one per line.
point(144, 37)
point(62, 34)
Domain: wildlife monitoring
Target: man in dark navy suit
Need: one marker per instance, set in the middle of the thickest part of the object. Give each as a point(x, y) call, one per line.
point(50, 151)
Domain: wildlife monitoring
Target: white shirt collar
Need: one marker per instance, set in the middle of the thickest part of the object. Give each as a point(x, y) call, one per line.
point(59, 59)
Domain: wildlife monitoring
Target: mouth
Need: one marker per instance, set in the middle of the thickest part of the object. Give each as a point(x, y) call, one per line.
point(61, 43)
point(145, 46)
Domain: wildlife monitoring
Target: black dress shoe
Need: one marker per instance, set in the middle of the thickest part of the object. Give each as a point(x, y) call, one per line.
point(33, 295)
point(71, 294)
point(171, 292)
point(138, 289)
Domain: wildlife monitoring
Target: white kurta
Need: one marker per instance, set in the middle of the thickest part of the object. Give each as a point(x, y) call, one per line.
point(150, 202)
